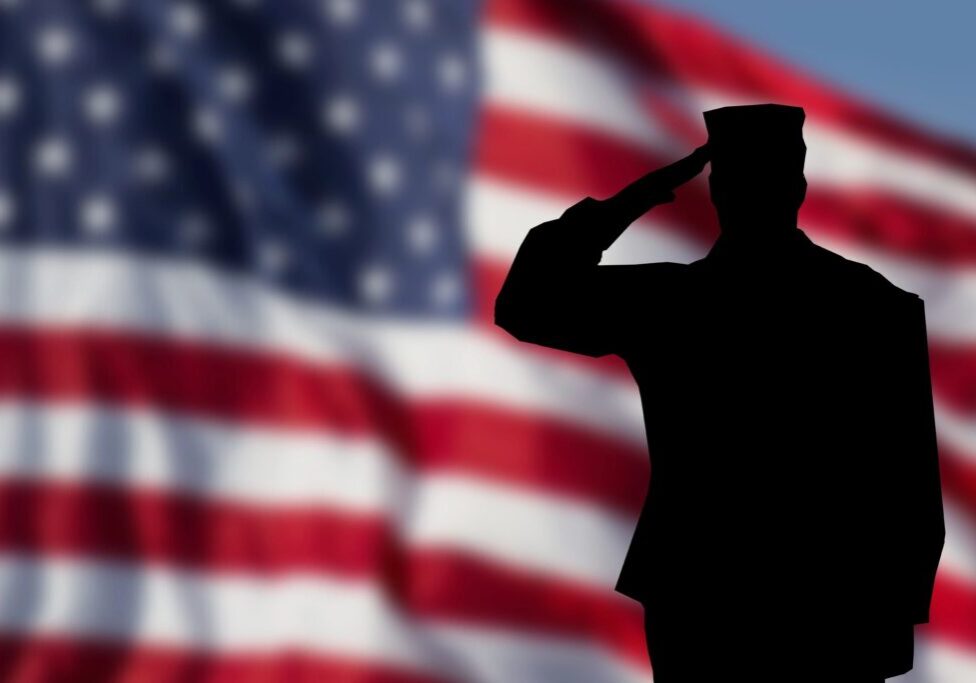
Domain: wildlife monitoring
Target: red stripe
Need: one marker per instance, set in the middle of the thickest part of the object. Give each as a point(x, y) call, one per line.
point(685, 49)
point(217, 536)
point(462, 586)
point(175, 528)
point(894, 223)
point(953, 611)
point(46, 659)
point(451, 433)
point(953, 368)
point(958, 475)
point(564, 158)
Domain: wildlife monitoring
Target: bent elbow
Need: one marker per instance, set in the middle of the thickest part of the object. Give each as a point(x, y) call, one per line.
point(508, 318)
point(520, 318)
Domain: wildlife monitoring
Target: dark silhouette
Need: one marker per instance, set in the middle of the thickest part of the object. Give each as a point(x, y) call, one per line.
point(793, 522)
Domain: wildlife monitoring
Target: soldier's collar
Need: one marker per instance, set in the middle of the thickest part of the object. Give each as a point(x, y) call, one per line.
point(769, 247)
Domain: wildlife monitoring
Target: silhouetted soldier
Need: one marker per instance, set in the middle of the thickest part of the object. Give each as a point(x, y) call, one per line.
point(793, 523)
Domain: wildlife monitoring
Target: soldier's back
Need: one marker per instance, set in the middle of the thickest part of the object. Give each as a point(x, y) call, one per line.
point(760, 386)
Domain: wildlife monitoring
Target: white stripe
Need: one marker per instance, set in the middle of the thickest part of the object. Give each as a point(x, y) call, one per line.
point(141, 448)
point(502, 215)
point(529, 72)
point(959, 553)
point(526, 529)
point(257, 615)
point(939, 662)
point(487, 656)
point(562, 537)
point(956, 430)
point(418, 360)
point(543, 532)
point(552, 77)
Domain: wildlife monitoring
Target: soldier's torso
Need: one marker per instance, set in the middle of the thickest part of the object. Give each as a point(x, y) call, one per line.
point(757, 390)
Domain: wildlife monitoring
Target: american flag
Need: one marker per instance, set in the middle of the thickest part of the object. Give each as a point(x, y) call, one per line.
point(257, 423)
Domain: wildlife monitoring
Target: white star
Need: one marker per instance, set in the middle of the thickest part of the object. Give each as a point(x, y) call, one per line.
point(273, 257)
point(445, 289)
point(341, 114)
point(151, 165)
point(193, 229)
point(445, 175)
point(417, 14)
point(162, 58)
point(385, 174)
point(234, 83)
point(417, 121)
point(208, 125)
point(53, 156)
point(54, 45)
point(243, 195)
point(385, 61)
point(284, 150)
point(341, 12)
point(452, 71)
point(295, 49)
point(333, 218)
point(375, 284)
point(9, 97)
point(186, 19)
point(108, 8)
point(422, 234)
point(102, 104)
point(97, 214)
point(8, 209)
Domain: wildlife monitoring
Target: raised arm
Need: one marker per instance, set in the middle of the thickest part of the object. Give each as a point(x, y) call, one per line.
point(556, 294)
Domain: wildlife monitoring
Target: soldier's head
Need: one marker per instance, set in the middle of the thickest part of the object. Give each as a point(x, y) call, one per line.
point(757, 154)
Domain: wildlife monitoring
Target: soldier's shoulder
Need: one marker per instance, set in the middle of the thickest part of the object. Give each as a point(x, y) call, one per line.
point(885, 287)
point(866, 277)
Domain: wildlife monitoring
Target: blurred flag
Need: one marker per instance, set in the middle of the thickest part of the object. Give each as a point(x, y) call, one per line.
point(257, 423)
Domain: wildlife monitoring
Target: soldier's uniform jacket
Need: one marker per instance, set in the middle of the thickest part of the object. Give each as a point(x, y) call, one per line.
point(788, 412)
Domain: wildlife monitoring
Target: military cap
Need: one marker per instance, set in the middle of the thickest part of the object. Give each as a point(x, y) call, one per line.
point(768, 134)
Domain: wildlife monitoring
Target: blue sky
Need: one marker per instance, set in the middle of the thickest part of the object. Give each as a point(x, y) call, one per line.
point(915, 59)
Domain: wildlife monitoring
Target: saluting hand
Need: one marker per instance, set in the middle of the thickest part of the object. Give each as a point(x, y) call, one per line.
point(679, 172)
point(613, 215)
